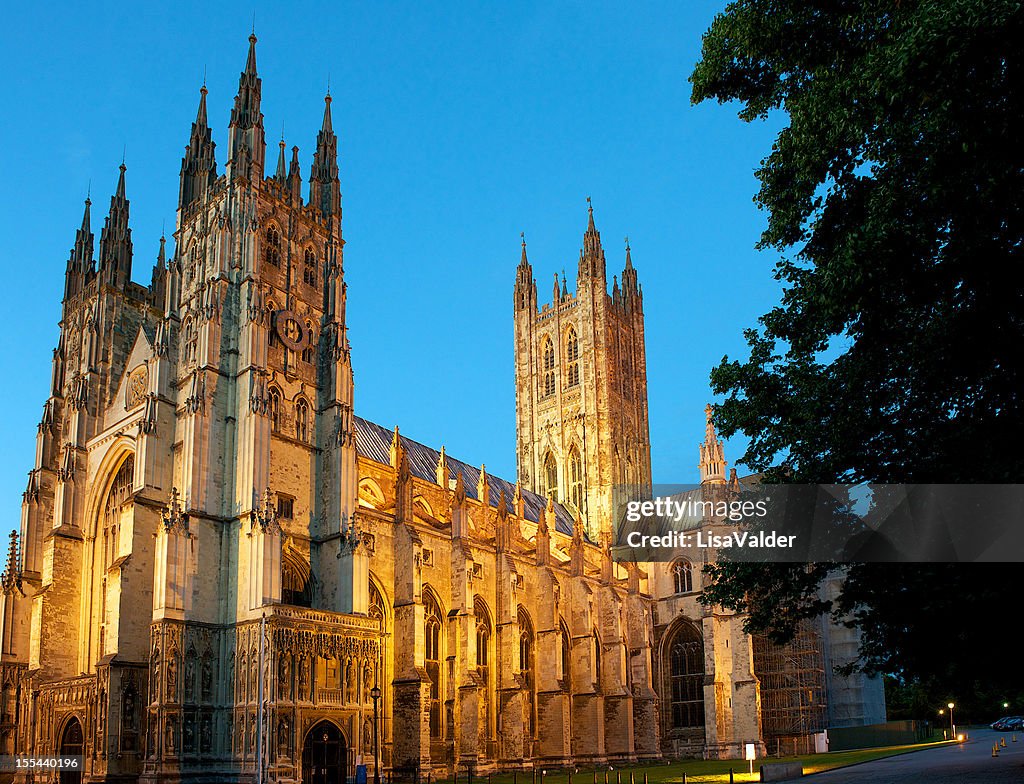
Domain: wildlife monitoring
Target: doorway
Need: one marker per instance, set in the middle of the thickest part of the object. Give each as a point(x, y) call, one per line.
point(72, 744)
point(323, 755)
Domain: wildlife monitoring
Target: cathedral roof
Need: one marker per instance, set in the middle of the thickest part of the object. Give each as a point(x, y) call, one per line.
point(374, 442)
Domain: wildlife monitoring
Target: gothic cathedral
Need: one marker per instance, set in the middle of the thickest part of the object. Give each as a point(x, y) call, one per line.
point(224, 574)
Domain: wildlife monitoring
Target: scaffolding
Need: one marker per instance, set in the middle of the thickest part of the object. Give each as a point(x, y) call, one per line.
point(792, 677)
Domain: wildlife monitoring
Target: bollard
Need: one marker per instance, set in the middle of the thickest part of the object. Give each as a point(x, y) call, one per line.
point(570, 775)
point(515, 777)
point(645, 777)
point(618, 777)
point(684, 777)
point(595, 776)
point(732, 777)
point(631, 780)
point(606, 777)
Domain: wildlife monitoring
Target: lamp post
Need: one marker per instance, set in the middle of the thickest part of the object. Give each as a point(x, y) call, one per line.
point(952, 726)
point(375, 696)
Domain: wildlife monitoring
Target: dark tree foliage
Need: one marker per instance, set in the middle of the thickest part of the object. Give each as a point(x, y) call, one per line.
point(895, 198)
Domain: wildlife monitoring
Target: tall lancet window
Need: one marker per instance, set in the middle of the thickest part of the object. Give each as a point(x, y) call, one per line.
point(483, 661)
point(120, 493)
point(309, 268)
point(302, 420)
point(576, 479)
point(572, 357)
point(432, 660)
point(685, 678)
point(275, 409)
point(547, 382)
point(272, 247)
point(526, 672)
point(551, 477)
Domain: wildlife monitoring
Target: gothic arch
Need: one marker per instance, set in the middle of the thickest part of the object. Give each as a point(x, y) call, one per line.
point(434, 656)
point(370, 493)
point(485, 662)
point(681, 673)
point(296, 579)
point(574, 479)
point(379, 604)
point(119, 451)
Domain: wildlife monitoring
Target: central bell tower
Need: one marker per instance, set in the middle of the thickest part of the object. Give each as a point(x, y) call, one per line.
point(581, 386)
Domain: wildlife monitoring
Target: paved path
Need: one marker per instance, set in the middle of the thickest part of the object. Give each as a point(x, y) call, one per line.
point(964, 763)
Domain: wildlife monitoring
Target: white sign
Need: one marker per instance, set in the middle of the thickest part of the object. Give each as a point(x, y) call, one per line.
point(751, 752)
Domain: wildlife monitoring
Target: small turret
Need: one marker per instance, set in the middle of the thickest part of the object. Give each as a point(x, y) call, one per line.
point(115, 267)
point(630, 287)
point(80, 264)
point(592, 254)
point(158, 284)
point(247, 145)
point(712, 454)
point(324, 186)
point(295, 177)
point(199, 164)
point(525, 292)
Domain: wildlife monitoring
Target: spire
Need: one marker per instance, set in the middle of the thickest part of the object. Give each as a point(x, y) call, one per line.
point(281, 175)
point(201, 113)
point(525, 291)
point(115, 267)
point(120, 194)
point(199, 164)
point(82, 252)
point(247, 144)
point(158, 283)
point(295, 177)
point(630, 288)
point(592, 254)
point(324, 187)
point(712, 454)
point(250, 61)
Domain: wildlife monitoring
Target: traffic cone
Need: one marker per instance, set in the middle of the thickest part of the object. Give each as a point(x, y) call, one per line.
point(1014, 737)
point(995, 749)
point(1002, 743)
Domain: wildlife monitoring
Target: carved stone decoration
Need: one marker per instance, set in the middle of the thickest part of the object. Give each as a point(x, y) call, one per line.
point(291, 330)
point(206, 734)
point(137, 387)
point(206, 678)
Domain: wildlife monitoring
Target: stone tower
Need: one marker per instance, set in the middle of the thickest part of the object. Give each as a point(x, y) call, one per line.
point(581, 386)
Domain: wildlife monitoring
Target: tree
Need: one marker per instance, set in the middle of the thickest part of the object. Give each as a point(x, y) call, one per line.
point(895, 198)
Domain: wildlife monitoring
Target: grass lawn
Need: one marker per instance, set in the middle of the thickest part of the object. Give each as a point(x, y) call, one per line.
point(697, 771)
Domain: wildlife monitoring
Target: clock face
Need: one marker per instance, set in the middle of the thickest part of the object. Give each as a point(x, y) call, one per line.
point(291, 331)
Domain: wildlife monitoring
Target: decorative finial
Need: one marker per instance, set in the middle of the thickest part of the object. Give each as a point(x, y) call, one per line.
point(328, 84)
point(589, 205)
point(204, 76)
point(627, 242)
point(522, 236)
point(124, 153)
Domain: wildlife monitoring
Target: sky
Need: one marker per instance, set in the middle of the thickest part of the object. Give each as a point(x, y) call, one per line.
point(460, 126)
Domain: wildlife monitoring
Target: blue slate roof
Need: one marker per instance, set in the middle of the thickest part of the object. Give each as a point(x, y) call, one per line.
point(374, 442)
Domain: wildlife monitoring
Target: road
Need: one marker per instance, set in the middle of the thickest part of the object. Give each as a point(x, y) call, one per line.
point(970, 761)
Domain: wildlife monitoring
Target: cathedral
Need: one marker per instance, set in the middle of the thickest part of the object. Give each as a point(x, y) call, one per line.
point(223, 573)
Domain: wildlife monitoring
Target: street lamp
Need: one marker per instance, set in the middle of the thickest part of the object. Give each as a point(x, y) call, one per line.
point(375, 696)
point(952, 726)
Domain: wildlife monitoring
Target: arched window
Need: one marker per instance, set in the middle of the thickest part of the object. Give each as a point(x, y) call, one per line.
point(576, 479)
point(685, 671)
point(275, 409)
point(309, 268)
point(308, 348)
point(296, 587)
point(272, 247)
point(547, 368)
point(572, 357)
point(483, 659)
point(597, 660)
point(526, 671)
point(191, 333)
point(682, 576)
point(551, 476)
point(433, 637)
point(108, 548)
point(302, 420)
point(376, 605)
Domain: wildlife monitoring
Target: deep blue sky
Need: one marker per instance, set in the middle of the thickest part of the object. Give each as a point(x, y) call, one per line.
point(460, 126)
